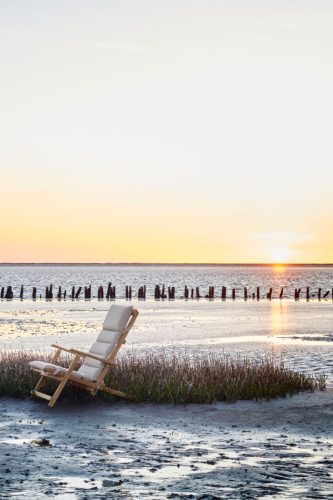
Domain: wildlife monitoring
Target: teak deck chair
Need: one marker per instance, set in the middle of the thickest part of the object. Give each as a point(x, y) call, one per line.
point(96, 363)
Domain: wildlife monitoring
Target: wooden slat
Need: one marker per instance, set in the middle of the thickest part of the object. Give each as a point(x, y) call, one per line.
point(116, 393)
point(41, 395)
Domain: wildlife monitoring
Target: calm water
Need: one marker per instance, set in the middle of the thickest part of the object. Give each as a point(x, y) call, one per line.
point(231, 277)
point(301, 332)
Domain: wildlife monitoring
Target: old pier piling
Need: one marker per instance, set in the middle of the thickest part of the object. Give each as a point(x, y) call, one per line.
point(163, 292)
point(49, 292)
point(9, 295)
point(142, 293)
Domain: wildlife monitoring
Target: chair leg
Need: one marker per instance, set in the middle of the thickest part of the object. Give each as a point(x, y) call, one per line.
point(58, 391)
point(41, 382)
point(64, 381)
point(114, 392)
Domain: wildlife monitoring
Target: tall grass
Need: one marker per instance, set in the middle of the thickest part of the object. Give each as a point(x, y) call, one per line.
point(172, 378)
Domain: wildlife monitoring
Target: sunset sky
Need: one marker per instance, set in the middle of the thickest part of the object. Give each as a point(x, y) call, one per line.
point(166, 131)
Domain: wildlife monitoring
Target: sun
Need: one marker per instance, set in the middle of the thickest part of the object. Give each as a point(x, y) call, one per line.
point(279, 255)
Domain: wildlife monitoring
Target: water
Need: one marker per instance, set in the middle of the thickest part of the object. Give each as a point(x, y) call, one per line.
point(232, 277)
point(299, 332)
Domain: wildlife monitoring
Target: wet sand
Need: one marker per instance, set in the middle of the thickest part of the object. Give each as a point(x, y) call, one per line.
point(275, 449)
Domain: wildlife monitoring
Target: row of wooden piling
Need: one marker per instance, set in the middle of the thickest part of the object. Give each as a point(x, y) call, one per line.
point(161, 292)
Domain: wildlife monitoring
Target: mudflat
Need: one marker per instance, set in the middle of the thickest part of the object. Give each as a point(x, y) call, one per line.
point(270, 449)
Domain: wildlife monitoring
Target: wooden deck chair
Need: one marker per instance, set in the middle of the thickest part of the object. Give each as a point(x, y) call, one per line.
point(96, 363)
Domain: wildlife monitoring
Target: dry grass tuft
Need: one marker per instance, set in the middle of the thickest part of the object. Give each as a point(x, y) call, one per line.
point(172, 378)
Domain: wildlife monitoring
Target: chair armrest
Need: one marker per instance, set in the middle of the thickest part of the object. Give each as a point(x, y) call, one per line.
point(61, 348)
point(89, 355)
point(81, 353)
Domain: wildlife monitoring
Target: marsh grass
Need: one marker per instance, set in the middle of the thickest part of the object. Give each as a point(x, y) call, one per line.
point(171, 378)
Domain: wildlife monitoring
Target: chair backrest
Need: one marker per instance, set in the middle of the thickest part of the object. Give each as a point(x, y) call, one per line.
point(116, 321)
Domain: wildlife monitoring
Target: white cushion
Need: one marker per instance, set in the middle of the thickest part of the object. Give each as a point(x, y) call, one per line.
point(88, 372)
point(47, 367)
point(109, 336)
point(117, 318)
point(84, 372)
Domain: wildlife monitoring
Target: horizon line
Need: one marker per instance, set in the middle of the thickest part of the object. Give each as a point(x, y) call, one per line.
point(164, 264)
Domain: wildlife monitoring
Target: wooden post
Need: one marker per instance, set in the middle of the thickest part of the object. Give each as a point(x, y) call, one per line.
point(21, 293)
point(307, 293)
point(197, 293)
point(326, 294)
point(269, 295)
point(281, 294)
point(2, 293)
point(78, 292)
point(224, 293)
point(65, 294)
point(59, 293)
point(157, 292)
point(34, 293)
point(192, 293)
point(142, 293)
point(163, 296)
point(233, 293)
point(73, 293)
point(186, 293)
point(245, 293)
point(130, 292)
point(253, 296)
point(319, 294)
point(9, 293)
point(258, 293)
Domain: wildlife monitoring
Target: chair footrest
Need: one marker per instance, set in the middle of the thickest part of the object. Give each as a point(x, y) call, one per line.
point(41, 395)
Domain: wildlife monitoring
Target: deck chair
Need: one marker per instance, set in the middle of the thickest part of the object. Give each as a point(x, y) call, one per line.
point(96, 363)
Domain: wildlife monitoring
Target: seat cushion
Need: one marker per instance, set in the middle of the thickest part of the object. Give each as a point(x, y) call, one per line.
point(47, 367)
point(117, 317)
point(88, 372)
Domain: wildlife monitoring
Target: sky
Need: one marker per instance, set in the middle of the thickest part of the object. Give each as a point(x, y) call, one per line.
point(178, 131)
